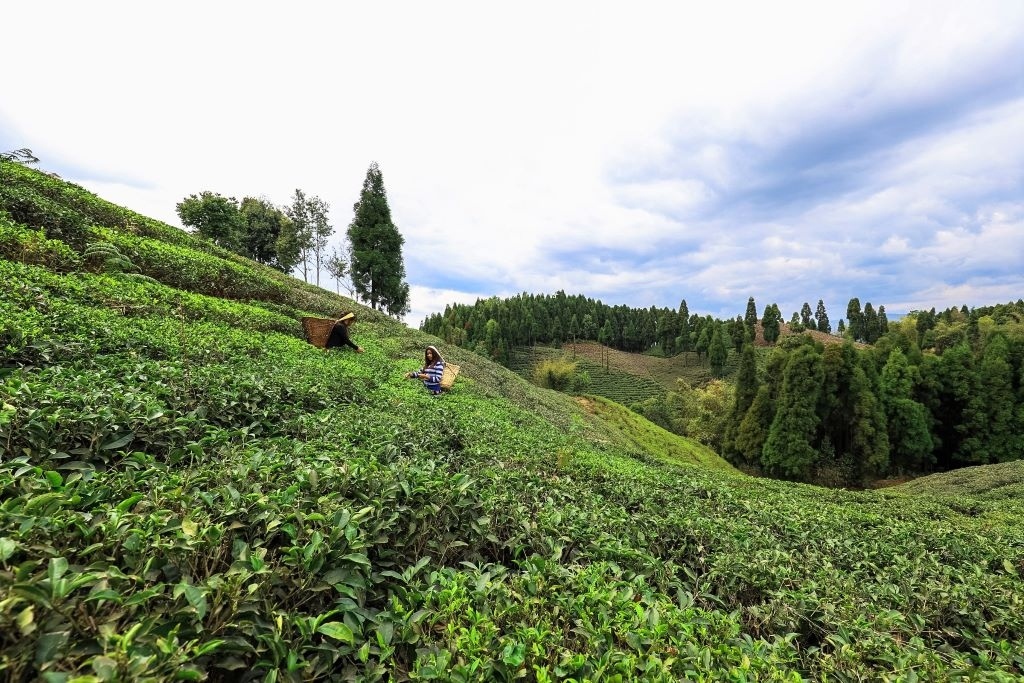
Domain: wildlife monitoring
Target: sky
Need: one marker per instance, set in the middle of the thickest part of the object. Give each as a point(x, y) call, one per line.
point(639, 153)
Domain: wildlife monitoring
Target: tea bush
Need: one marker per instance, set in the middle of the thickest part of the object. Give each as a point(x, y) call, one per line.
point(190, 491)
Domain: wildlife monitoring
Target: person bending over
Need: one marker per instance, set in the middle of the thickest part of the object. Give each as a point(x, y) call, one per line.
point(339, 335)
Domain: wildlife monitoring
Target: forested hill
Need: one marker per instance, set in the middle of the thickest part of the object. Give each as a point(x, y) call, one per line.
point(928, 393)
point(190, 491)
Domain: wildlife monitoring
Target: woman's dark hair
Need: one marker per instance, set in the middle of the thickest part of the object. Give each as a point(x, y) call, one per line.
point(437, 356)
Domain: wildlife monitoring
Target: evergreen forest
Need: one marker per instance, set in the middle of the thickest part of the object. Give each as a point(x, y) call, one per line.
point(928, 393)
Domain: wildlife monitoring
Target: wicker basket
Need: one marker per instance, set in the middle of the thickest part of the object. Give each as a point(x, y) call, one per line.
point(318, 330)
point(451, 371)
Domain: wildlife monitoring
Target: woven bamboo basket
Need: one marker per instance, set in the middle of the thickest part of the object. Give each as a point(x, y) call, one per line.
point(318, 330)
point(451, 371)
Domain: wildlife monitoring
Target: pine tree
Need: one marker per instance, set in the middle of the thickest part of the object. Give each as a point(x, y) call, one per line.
point(787, 450)
point(856, 318)
point(871, 328)
point(821, 317)
point(989, 426)
point(805, 315)
point(718, 351)
point(851, 417)
point(750, 319)
point(910, 441)
point(754, 427)
point(746, 391)
point(377, 268)
point(771, 323)
point(683, 340)
point(883, 321)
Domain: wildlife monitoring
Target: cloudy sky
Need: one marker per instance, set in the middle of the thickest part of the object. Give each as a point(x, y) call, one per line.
point(640, 153)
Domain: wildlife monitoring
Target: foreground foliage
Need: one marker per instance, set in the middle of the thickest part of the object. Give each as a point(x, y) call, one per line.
point(190, 491)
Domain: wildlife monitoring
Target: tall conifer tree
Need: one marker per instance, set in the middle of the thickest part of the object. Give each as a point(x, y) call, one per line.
point(788, 450)
point(377, 269)
point(821, 317)
point(750, 318)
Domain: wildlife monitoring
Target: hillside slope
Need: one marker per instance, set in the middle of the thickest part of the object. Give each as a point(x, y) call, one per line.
point(190, 491)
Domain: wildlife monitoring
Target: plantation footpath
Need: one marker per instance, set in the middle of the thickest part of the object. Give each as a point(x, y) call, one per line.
point(191, 491)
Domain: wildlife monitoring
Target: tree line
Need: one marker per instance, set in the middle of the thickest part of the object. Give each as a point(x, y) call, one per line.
point(368, 264)
point(493, 326)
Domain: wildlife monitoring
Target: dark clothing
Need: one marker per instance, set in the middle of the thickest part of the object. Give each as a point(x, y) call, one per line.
point(339, 337)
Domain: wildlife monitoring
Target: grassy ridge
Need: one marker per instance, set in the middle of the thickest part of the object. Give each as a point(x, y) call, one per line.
point(188, 490)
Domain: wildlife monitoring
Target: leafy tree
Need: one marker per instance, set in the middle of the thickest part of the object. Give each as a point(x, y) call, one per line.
point(841, 329)
point(701, 412)
point(821, 318)
point(703, 341)
point(588, 328)
point(263, 224)
point(377, 268)
point(794, 323)
point(574, 328)
point(321, 230)
point(337, 267)
point(925, 320)
point(300, 239)
point(287, 247)
point(787, 450)
point(214, 217)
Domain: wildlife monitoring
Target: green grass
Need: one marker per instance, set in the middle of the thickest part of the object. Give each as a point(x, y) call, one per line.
point(189, 491)
point(649, 440)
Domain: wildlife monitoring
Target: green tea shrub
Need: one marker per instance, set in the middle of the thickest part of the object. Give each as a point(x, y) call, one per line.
point(33, 210)
point(559, 374)
point(25, 245)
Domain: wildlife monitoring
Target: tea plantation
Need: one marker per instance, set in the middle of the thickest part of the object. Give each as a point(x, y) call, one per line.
point(190, 491)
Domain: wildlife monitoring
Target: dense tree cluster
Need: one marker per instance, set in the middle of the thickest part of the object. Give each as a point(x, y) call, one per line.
point(928, 396)
point(370, 264)
point(493, 326)
point(528, 319)
point(280, 237)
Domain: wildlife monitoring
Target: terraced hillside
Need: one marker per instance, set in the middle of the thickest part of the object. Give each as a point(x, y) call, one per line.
point(189, 491)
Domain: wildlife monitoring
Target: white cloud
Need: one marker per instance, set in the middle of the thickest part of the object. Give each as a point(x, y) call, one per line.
point(642, 139)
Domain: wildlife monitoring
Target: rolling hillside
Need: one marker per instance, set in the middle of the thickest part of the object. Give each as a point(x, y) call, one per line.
point(190, 491)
